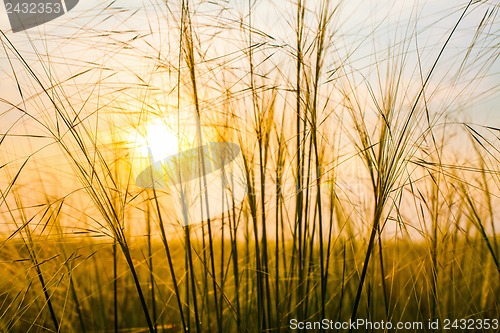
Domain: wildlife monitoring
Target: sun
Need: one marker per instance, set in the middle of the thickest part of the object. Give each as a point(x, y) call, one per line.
point(157, 141)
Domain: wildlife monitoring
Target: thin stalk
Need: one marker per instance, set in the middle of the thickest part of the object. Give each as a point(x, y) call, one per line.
point(234, 255)
point(185, 326)
point(128, 257)
point(151, 268)
point(191, 277)
point(115, 286)
point(39, 273)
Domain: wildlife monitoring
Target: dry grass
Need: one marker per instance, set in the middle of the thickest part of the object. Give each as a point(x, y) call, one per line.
point(358, 203)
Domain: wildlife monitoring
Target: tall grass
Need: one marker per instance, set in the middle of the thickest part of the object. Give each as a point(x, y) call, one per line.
point(357, 204)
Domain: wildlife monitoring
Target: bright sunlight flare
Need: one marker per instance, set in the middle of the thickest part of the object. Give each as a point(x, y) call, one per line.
point(157, 141)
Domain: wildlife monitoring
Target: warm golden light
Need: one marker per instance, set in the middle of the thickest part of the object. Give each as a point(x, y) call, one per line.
point(157, 141)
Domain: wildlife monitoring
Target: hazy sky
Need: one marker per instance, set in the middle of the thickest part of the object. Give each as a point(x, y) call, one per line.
point(115, 47)
point(92, 33)
point(109, 47)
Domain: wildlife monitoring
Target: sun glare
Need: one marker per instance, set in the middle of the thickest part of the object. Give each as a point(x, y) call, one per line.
point(157, 142)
